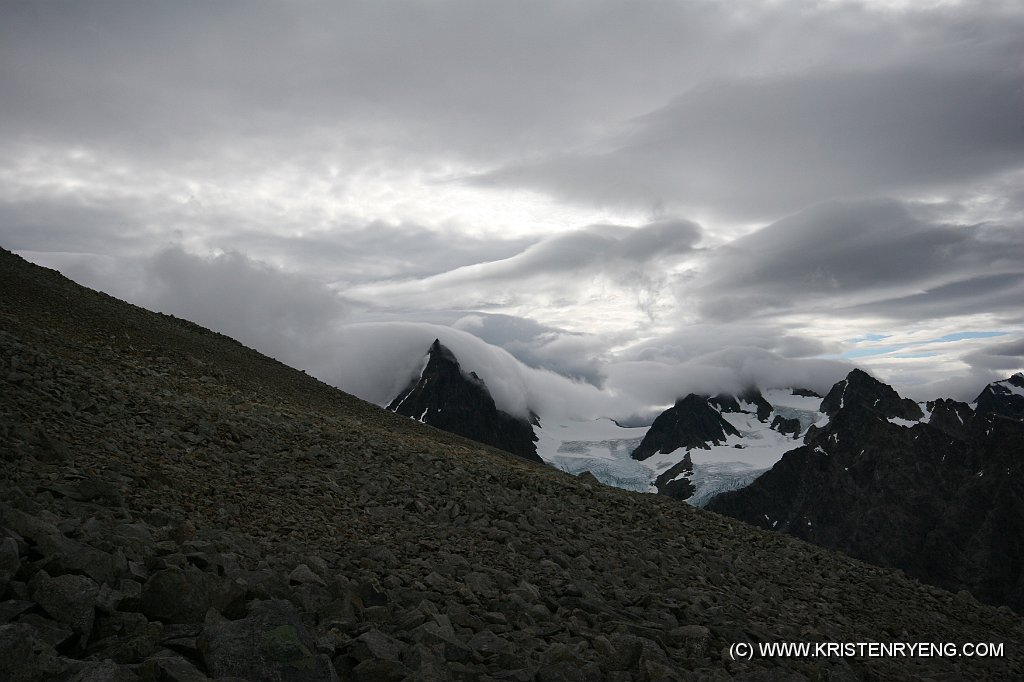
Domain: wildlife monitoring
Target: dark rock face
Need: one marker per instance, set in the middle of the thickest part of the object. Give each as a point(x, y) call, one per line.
point(723, 402)
point(451, 400)
point(1005, 398)
point(753, 396)
point(690, 423)
point(675, 482)
point(806, 393)
point(861, 391)
point(951, 417)
point(786, 426)
point(944, 500)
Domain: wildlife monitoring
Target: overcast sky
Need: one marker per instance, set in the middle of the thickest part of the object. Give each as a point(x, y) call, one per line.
point(642, 197)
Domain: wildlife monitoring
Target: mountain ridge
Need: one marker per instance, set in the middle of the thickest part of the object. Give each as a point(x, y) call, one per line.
point(942, 501)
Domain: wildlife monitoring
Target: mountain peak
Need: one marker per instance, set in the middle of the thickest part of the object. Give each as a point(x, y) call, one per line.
point(1004, 398)
point(691, 423)
point(876, 458)
point(440, 353)
point(448, 398)
point(862, 392)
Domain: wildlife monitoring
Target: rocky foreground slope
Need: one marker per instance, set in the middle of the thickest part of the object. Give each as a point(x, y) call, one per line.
point(174, 506)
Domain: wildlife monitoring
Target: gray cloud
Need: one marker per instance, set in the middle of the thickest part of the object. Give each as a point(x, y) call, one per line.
point(284, 315)
point(770, 145)
point(417, 77)
point(70, 225)
point(629, 256)
point(862, 257)
point(996, 294)
point(770, 93)
point(341, 250)
point(376, 251)
point(696, 340)
point(336, 145)
point(656, 384)
point(570, 354)
point(1006, 356)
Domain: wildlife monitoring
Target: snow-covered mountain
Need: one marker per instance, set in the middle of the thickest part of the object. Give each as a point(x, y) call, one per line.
point(934, 488)
point(695, 449)
point(1003, 397)
point(727, 444)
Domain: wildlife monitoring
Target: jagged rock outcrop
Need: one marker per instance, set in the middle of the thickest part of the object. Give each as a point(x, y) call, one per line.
point(806, 393)
point(341, 541)
point(951, 417)
point(943, 501)
point(675, 481)
point(786, 426)
point(458, 402)
point(690, 423)
point(725, 402)
point(762, 407)
point(1004, 398)
point(860, 391)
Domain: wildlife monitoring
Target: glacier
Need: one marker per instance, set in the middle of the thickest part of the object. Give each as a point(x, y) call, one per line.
point(603, 447)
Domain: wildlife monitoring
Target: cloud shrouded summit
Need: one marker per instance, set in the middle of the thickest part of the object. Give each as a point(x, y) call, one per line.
point(624, 196)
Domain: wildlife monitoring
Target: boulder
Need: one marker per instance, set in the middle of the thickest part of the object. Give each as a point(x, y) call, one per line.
point(68, 599)
point(23, 658)
point(176, 595)
point(271, 644)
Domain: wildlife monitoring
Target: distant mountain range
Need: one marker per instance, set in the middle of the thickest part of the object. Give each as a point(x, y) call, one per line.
point(932, 488)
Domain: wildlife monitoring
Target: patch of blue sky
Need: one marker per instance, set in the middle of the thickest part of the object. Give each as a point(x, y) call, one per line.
point(877, 350)
point(892, 348)
point(960, 336)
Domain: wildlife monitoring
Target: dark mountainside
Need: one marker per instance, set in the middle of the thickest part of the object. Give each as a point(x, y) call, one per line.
point(691, 423)
point(451, 400)
point(175, 506)
point(724, 402)
point(943, 500)
point(786, 426)
point(696, 422)
point(675, 481)
point(1004, 398)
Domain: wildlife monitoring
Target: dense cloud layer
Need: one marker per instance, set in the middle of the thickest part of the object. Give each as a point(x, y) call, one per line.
point(773, 144)
point(631, 258)
point(644, 198)
point(862, 258)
